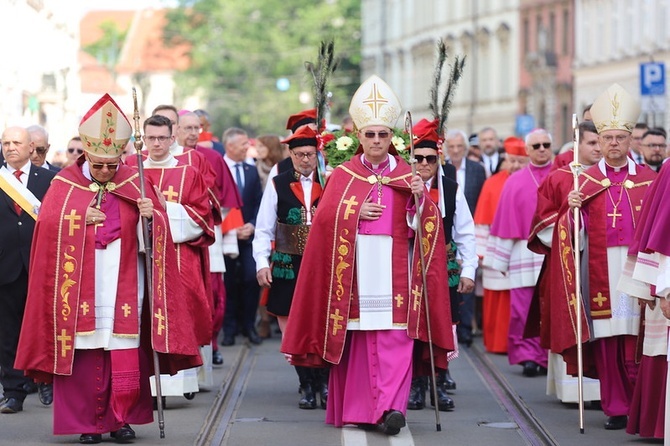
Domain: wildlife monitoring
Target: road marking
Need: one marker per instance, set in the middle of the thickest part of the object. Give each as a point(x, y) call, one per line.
point(353, 436)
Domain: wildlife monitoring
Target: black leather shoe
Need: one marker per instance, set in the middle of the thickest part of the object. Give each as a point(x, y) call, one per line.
point(11, 405)
point(228, 340)
point(254, 338)
point(123, 435)
point(90, 438)
point(394, 420)
point(30, 387)
point(217, 358)
point(417, 394)
point(449, 383)
point(530, 369)
point(444, 402)
point(308, 399)
point(45, 392)
point(616, 423)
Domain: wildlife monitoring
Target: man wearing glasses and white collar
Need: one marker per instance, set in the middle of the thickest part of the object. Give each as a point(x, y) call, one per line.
point(507, 250)
point(358, 302)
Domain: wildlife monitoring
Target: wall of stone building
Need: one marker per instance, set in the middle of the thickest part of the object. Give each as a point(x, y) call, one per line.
point(399, 44)
point(613, 38)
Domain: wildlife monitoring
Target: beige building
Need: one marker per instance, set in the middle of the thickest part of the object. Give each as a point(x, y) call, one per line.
point(399, 44)
point(613, 38)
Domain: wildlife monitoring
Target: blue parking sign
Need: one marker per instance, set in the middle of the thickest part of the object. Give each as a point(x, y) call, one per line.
point(652, 79)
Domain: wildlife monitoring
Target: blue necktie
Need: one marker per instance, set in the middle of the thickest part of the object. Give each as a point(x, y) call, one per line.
point(238, 177)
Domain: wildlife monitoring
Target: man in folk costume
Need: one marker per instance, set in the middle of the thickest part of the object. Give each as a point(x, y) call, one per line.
point(496, 301)
point(285, 218)
point(551, 195)
point(22, 187)
point(610, 195)
point(184, 194)
point(507, 251)
point(460, 239)
point(362, 256)
point(91, 330)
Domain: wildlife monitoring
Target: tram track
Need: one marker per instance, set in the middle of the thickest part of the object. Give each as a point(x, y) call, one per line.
point(530, 427)
point(216, 423)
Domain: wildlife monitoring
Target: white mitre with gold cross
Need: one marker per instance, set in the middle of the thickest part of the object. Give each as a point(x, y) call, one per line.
point(374, 103)
point(105, 130)
point(615, 109)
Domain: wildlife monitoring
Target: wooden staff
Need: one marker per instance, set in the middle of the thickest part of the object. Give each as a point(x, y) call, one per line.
point(148, 263)
point(576, 170)
point(419, 237)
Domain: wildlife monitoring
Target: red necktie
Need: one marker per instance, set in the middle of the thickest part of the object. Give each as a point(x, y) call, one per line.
point(17, 208)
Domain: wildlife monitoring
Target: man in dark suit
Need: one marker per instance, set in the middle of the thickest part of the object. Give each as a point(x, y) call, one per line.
point(22, 187)
point(242, 289)
point(470, 176)
point(40, 139)
point(490, 150)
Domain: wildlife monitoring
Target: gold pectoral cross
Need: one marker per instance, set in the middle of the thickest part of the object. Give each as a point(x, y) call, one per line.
point(614, 215)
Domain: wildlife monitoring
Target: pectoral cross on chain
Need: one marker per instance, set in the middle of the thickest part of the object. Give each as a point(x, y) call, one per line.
point(614, 215)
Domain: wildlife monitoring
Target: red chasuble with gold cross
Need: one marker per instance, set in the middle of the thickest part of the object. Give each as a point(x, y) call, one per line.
point(61, 285)
point(594, 185)
point(185, 185)
point(326, 294)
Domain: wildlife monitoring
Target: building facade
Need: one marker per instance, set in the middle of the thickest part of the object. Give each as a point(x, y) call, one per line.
point(613, 38)
point(399, 44)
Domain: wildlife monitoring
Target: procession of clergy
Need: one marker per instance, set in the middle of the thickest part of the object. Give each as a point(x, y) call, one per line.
point(128, 256)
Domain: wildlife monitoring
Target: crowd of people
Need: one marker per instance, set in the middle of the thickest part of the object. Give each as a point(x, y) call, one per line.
point(129, 267)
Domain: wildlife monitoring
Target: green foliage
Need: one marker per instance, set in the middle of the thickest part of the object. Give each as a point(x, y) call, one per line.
point(340, 146)
point(241, 48)
point(107, 49)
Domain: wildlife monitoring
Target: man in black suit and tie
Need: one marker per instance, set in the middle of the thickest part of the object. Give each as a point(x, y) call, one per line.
point(242, 289)
point(489, 146)
point(22, 187)
point(470, 176)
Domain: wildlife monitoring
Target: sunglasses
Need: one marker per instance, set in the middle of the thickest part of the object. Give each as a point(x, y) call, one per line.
point(546, 145)
point(382, 135)
point(430, 159)
point(41, 150)
point(72, 149)
point(100, 166)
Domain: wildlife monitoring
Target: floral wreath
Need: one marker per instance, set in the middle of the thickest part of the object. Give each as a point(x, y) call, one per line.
point(341, 145)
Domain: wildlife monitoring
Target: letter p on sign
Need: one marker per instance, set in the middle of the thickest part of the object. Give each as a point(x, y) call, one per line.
point(652, 79)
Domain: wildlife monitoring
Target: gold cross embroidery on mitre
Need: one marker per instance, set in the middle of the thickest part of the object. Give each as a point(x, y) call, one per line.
point(375, 101)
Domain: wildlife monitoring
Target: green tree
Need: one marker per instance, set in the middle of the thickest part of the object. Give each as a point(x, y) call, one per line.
point(107, 48)
point(240, 48)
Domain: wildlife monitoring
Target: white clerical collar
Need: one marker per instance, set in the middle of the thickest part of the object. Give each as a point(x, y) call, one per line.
point(176, 149)
point(169, 161)
point(631, 167)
